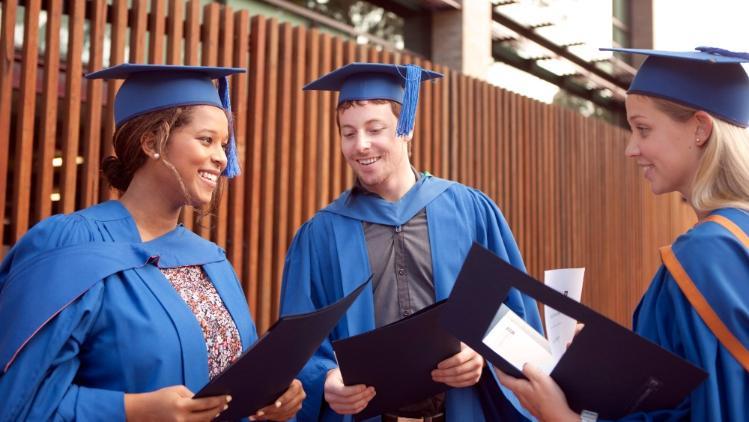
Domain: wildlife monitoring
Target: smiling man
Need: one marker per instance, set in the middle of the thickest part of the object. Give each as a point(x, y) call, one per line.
point(411, 231)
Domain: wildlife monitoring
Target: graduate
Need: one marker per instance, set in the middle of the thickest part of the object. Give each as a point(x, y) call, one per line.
point(689, 113)
point(116, 311)
point(412, 231)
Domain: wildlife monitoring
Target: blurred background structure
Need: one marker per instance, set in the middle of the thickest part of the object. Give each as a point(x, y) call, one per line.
point(529, 111)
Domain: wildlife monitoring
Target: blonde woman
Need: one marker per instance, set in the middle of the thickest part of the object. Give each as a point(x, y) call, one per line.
point(689, 113)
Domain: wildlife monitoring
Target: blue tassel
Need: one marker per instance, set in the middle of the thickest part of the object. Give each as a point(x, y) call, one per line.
point(410, 100)
point(722, 52)
point(232, 161)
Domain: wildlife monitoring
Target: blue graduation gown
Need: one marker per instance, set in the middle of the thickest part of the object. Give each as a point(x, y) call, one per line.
point(328, 259)
point(88, 316)
point(718, 264)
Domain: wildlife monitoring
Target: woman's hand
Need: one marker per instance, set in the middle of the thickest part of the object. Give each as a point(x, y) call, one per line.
point(285, 407)
point(173, 403)
point(578, 328)
point(346, 400)
point(539, 394)
point(461, 370)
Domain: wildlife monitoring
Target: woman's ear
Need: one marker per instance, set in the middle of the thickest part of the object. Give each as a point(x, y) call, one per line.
point(148, 144)
point(704, 128)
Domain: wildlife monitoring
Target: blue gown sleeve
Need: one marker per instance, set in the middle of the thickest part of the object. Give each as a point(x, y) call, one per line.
point(494, 233)
point(40, 383)
point(299, 294)
point(667, 318)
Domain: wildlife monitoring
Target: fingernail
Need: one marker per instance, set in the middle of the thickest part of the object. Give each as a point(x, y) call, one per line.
point(252, 418)
point(278, 403)
point(260, 413)
point(228, 399)
point(226, 406)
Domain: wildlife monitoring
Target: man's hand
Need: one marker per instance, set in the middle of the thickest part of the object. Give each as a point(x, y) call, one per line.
point(346, 400)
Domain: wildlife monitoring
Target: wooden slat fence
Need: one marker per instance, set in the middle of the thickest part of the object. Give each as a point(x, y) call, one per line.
point(571, 197)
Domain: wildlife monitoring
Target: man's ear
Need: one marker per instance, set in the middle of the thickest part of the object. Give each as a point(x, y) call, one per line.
point(408, 137)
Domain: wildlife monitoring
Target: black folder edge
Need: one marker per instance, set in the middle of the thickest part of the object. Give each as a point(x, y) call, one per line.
point(369, 412)
point(475, 300)
point(216, 385)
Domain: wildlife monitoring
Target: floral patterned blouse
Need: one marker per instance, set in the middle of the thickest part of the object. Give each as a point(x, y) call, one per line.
point(221, 334)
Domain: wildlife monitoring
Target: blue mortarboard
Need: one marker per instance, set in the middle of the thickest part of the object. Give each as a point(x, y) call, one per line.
point(709, 79)
point(378, 81)
point(149, 87)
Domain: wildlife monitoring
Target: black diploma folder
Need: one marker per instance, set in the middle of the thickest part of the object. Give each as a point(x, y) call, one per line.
point(607, 368)
point(397, 360)
point(266, 369)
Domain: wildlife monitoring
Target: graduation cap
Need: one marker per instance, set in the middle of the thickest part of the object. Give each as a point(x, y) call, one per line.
point(149, 87)
point(378, 81)
point(710, 79)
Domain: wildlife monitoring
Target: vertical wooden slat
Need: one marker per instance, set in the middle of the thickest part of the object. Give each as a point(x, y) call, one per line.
point(458, 109)
point(298, 140)
point(192, 58)
point(48, 127)
point(118, 33)
point(225, 52)
point(336, 159)
point(282, 159)
point(512, 182)
point(192, 33)
point(175, 30)
point(72, 108)
point(139, 14)
point(504, 152)
point(425, 137)
point(494, 171)
point(239, 106)
point(25, 127)
point(482, 113)
point(7, 50)
point(268, 179)
point(325, 105)
point(92, 130)
point(348, 57)
point(205, 224)
point(157, 23)
point(471, 118)
point(253, 180)
point(443, 125)
point(311, 120)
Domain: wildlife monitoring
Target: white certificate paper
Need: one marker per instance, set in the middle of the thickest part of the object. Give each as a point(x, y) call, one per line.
point(559, 327)
point(517, 342)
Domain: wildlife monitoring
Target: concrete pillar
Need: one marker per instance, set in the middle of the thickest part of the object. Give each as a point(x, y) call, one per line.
point(461, 39)
point(641, 27)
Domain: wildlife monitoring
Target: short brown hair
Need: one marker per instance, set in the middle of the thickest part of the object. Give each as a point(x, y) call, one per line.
point(396, 107)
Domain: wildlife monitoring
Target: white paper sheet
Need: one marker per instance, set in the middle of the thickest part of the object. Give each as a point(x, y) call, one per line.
point(517, 342)
point(559, 327)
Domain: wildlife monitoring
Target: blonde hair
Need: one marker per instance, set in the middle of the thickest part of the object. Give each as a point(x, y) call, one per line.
point(722, 178)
